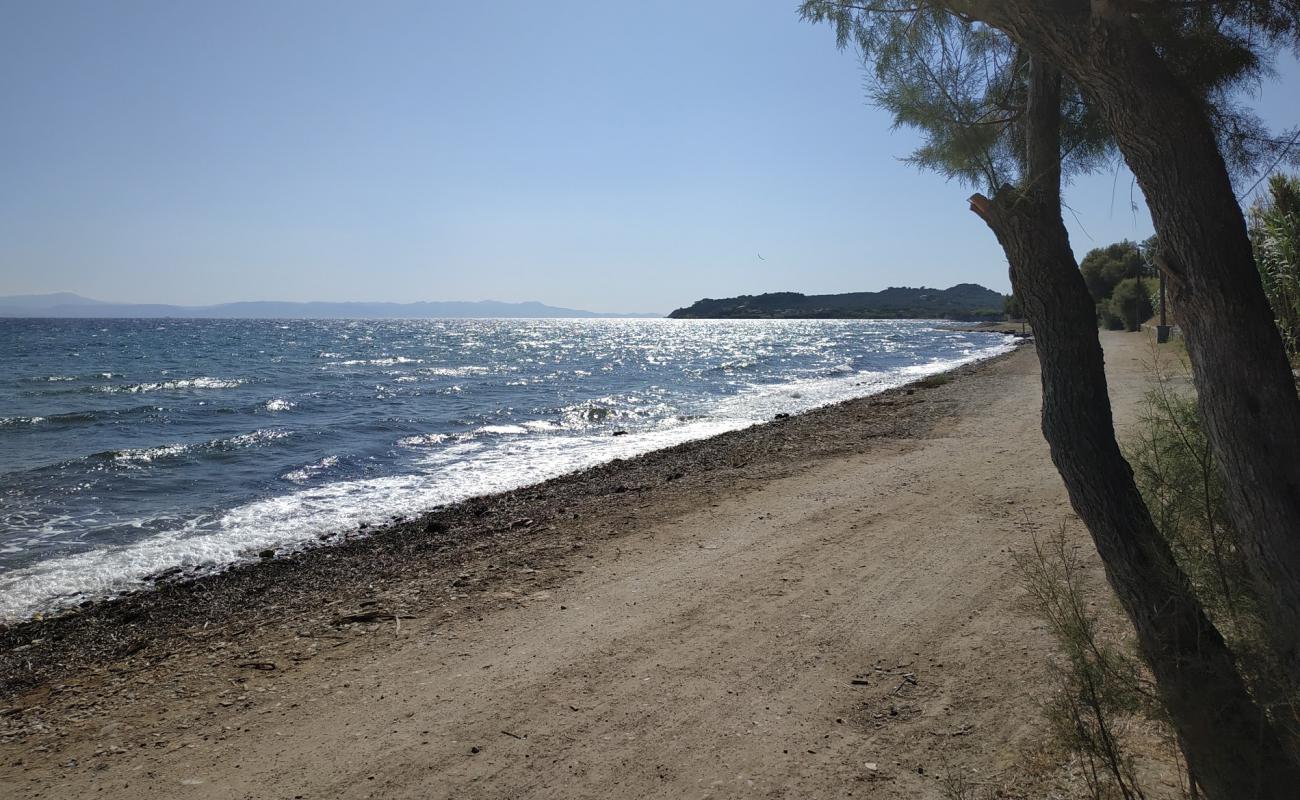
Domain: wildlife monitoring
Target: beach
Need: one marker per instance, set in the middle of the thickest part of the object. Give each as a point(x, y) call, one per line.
point(822, 606)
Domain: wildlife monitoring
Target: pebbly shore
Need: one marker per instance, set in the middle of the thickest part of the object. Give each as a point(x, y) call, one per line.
point(423, 565)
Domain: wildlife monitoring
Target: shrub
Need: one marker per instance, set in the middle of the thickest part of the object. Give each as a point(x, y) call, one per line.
point(1275, 232)
point(1099, 684)
point(1131, 303)
point(1104, 267)
point(1174, 469)
point(1108, 318)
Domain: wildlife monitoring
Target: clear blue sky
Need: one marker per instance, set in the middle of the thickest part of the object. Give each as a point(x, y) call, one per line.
point(604, 155)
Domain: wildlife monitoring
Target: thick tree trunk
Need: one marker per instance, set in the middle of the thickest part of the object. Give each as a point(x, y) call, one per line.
point(1229, 741)
point(1246, 391)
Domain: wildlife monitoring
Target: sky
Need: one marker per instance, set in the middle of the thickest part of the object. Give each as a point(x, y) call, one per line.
point(611, 156)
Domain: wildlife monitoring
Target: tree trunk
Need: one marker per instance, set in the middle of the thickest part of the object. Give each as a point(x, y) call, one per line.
point(1230, 744)
point(1246, 391)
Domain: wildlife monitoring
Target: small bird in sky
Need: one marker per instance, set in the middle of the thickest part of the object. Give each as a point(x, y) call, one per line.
point(760, 257)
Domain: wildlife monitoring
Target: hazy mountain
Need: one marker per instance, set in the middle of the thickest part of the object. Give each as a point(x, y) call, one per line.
point(67, 305)
point(53, 300)
point(963, 301)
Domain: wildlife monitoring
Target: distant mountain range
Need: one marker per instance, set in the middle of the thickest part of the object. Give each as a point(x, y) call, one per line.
point(69, 305)
point(965, 301)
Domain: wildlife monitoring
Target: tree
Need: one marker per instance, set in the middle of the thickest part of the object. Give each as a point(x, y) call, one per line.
point(989, 116)
point(1013, 307)
point(1104, 267)
point(1275, 231)
point(1130, 303)
point(1135, 61)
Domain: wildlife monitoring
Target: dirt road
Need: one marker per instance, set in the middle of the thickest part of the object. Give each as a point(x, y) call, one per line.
point(852, 628)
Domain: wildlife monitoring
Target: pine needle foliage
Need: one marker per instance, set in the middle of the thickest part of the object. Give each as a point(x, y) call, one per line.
point(960, 84)
point(1275, 232)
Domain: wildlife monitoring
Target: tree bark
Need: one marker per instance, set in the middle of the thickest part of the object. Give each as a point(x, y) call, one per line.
point(1246, 392)
point(1229, 741)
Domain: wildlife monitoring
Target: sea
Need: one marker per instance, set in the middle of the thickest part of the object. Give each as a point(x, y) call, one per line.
point(133, 447)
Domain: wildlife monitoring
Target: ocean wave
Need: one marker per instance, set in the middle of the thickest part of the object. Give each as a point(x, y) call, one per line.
point(50, 379)
point(296, 520)
point(502, 430)
point(424, 440)
point(378, 362)
point(6, 422)
point(278, 404)
point(173, 385)
point(454, 372)
point(69, 418)
point(145, 455)
point(304, 474)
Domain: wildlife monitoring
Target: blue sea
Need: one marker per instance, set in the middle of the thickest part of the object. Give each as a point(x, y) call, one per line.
point(130, 447)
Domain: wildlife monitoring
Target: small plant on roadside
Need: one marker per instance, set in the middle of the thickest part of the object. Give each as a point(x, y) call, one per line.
point(1174, 468)
point(1100, 687)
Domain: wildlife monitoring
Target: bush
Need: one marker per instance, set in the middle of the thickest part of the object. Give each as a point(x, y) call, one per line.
point(1013, 308)
point(1275, 232)
point(1100, 686)
point(1104, 268)
point(1179, 480)
point(1131, 303)
point(1108, 318)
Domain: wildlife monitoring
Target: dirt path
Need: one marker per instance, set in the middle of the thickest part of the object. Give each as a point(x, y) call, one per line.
point(854, 628)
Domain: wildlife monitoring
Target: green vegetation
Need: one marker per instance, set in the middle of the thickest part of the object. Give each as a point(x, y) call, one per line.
point(1100, 683)
point(1175, 470)
point(1102, 687)
point(1275, 234)
point(1011, 96)
point(1014, 307)
point(1114, 276)
point(1130, 303)
point(1104, 267)
point(965, 301)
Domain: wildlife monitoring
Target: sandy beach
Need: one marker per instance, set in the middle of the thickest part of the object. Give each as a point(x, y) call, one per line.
point(820, 607)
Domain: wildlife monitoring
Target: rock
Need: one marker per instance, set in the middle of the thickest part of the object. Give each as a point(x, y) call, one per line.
point(871, 766)
point(475, 749)
point(619, 433)
point(266, 554)
point(436, 526)
point(782, 415)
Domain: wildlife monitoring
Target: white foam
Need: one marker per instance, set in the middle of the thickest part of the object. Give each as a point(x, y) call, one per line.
point(174, 385)
point(423, 440)
point(304, 474)
point(21, 420)
point(143, 455)
point(278, 404)
point(502, 430)
point(379, 362)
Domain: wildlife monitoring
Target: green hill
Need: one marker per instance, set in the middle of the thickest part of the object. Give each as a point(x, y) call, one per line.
point(965, 301)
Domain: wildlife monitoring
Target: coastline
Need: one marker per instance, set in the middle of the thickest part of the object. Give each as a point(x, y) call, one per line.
point(764, 611)
point(104, 630)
